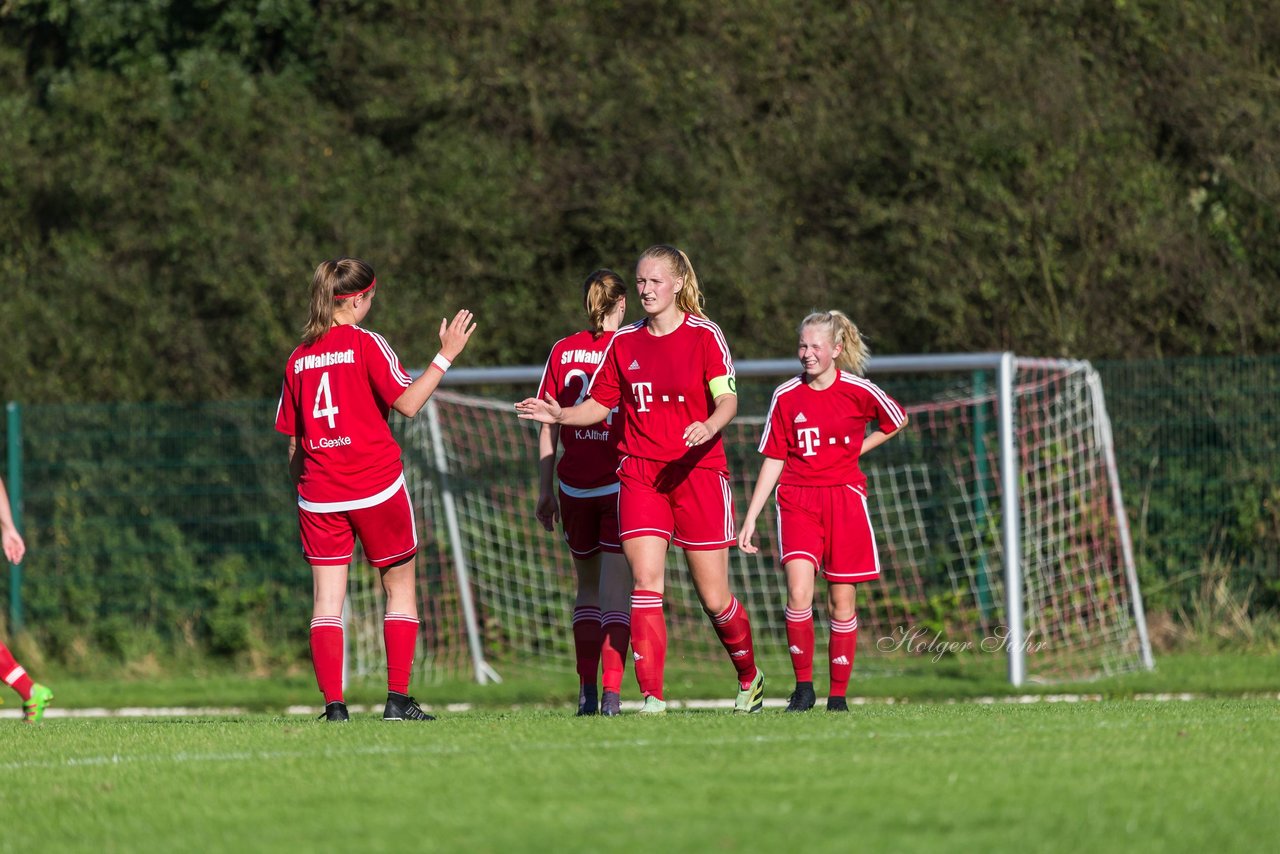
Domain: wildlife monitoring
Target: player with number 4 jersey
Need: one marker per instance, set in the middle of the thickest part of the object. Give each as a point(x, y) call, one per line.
point(586, 502)
point(340, 384)
point(813, 436)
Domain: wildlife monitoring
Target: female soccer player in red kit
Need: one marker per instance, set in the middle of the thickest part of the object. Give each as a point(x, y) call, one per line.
point(587, 503)
point(673, 378)
point(339, 386)
point(814, 433)
point(35, 697)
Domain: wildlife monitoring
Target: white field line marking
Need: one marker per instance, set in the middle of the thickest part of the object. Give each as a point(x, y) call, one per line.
point(634, 705)
point(575, 744)
point(433, 749)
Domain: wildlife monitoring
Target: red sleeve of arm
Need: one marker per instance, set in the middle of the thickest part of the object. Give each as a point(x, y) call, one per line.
point(774, 441)
point(604, 388)
point(889, 413)
point(716, 359)
point(387, 376)
point(287, 411)
point(550, 384)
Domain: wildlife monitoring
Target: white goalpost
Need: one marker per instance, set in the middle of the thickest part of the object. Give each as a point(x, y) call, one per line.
point(999, 516)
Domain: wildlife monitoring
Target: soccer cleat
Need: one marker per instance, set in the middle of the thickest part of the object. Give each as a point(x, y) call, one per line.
point(653, 706)
point(751, 699)
point(587, 703)
point(837, 704)
point(33, 708)
point(401, 707)
point(802, 699)
point(335, 712)
point(611, 704)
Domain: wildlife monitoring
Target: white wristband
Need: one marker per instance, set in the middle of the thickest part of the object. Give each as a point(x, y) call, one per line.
point(441, 362)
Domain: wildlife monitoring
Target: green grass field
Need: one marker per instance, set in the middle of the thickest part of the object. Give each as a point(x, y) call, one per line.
point(1114, 775)
point(1209, 674)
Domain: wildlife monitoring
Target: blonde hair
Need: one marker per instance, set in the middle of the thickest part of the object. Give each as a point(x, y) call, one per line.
point(600, 294)
point(689, 297)
point(853, 358)
point(331, 280)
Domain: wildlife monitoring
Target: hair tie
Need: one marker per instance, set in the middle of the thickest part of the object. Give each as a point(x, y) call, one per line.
point(358, 293)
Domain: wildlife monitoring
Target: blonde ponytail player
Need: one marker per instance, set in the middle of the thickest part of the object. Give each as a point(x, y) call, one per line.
point(813, 436)
point(672, 376)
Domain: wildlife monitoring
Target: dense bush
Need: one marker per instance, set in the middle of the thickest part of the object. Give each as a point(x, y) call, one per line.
point(1087, 178)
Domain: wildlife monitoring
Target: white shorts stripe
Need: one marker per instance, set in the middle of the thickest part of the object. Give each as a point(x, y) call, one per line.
point(356, 504)
point(593, 492)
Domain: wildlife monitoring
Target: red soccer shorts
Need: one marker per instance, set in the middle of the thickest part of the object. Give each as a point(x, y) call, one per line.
point(590, 524)
point(829, 526)
point(386, 531)
point(689, 506)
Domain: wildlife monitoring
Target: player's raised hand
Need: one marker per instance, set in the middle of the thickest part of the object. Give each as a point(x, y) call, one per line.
point(455, 334)
point(546, 411)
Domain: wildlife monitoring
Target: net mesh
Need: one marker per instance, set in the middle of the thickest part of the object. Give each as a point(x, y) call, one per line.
point(936, 505)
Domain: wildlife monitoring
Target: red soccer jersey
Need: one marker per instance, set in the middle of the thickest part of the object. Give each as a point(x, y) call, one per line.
point(590, 458)
point(336, 397)
point(819, 433)
point(661, 383)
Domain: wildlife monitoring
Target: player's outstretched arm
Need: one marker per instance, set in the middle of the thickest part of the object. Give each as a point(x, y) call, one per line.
point(454, 335)
point(770, 471)
point(14, 547)
point(547, 411)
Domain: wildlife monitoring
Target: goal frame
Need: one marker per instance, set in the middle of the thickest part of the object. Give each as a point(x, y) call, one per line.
point(1003, 364)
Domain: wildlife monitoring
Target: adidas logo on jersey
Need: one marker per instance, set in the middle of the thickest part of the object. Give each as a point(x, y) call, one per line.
point(637, 656)
point(840, 660)
point(635, 365)
point(794, 650)
point(800, 419)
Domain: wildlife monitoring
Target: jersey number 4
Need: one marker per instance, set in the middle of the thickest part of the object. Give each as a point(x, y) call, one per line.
point(324, 406)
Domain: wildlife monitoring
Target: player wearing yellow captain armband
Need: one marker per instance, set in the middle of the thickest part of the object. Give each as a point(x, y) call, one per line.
point(672, 376)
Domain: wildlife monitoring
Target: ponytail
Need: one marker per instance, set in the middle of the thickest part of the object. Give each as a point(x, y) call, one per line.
point(689, 297)
point(600, 294)
point(855, 353)
point(333, 280)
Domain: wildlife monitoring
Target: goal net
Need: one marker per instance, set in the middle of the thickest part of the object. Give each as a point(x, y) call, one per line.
point(498, 590)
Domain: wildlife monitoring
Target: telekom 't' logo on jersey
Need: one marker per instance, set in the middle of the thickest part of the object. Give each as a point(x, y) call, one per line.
point(643, 393)
point(809, 438)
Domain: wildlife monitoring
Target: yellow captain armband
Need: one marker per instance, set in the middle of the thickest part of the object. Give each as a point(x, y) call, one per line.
point(723, 385)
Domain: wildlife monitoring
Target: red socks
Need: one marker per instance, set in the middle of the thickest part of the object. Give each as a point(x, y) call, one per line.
point(616, 626)
point(734, 630)
point(588, 634)
point(400, 634)
point(844, 642)
point(800, 642)
point(326, 656)
point(13, 674)
point(648, 641)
